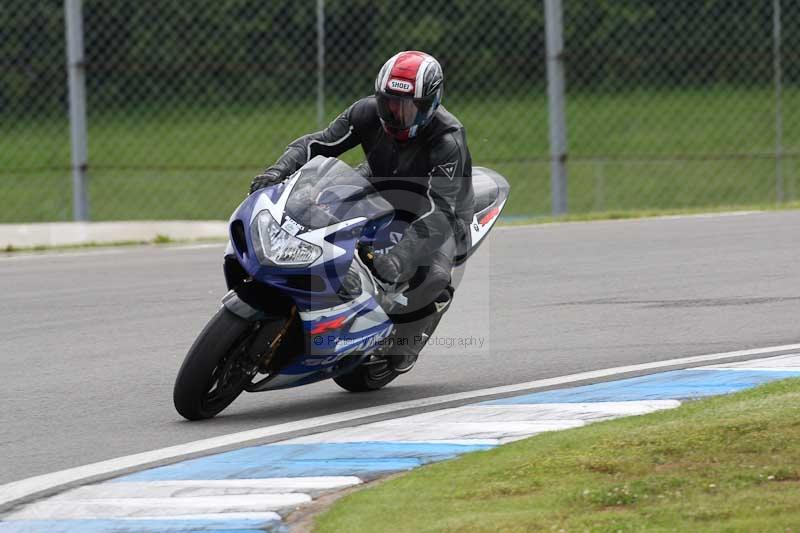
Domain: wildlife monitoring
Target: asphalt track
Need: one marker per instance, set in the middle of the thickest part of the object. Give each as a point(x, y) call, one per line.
point(90, 342)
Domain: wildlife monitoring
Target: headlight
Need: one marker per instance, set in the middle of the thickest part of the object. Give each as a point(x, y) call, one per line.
point(274, 245)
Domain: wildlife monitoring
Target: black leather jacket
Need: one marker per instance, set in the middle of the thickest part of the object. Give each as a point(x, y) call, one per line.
point(427, 179)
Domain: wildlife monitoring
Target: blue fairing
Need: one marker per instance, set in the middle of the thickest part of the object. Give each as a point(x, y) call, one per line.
point(326, 203)
point(332, 208)
point(326, 274)
point(314, 288)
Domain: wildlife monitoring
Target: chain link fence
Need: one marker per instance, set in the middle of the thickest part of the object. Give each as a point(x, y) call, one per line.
point(669, 104)
point(674, 104)
point(34, 126)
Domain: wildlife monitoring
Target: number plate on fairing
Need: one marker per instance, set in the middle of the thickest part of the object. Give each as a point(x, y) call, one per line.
point(291, 226)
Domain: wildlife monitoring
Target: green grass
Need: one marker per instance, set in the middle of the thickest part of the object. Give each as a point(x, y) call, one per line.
point(174, 161)
point(729, 463)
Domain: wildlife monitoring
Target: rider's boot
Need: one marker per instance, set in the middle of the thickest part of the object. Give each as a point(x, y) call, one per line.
point(410, 337)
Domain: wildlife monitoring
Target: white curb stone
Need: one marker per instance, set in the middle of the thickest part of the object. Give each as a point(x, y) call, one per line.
point(73, 233)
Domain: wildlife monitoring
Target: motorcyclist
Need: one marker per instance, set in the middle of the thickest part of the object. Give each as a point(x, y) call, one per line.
point(417, 157)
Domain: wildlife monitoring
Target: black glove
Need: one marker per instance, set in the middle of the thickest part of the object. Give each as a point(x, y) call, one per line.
point(351, 285)
point(267, 179)
point(388, 268)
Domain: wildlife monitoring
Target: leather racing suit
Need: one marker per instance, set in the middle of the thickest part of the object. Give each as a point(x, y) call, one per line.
point(427, 179)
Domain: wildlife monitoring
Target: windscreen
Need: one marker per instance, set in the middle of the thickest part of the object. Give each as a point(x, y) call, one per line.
point(332, 192)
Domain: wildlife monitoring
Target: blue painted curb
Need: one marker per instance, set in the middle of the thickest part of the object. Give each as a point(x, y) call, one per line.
point(369, 459)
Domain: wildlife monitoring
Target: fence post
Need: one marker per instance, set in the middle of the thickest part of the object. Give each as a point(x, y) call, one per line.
point(778, 80)
point(554, 29)
point(320, 64)
point(77, 108)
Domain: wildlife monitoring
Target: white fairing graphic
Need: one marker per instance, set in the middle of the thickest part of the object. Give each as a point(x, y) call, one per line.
point(478, 230)
point(363, 315)
point(348, 309)
point(329, 250)
point(317, 237)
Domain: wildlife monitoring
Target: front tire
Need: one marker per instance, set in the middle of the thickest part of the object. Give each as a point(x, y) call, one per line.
point(212, 375)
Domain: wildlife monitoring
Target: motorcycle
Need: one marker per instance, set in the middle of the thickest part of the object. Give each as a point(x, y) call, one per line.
point(288, 319)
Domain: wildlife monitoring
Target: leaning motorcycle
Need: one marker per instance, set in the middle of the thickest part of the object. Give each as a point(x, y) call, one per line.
point(288, 320)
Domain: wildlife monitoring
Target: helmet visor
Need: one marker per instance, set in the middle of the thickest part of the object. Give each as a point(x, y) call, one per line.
point(400, 113)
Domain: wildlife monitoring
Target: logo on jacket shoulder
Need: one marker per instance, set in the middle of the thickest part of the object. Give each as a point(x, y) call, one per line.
point(401, 85)
point(447, 169)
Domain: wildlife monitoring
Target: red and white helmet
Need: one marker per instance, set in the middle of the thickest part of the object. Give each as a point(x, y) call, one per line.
point(409, 90)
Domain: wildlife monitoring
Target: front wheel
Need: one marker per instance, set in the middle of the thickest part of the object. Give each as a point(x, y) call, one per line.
point(215, 371)
point(374, 374)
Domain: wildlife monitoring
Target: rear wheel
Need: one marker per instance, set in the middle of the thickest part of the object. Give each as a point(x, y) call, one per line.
point(216, 370)
point(374, 374)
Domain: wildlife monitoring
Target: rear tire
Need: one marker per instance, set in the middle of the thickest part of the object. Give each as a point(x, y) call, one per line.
point(198, 393)
point(367, 377)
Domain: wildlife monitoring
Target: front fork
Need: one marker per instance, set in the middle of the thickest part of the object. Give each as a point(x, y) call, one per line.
point(262, 353)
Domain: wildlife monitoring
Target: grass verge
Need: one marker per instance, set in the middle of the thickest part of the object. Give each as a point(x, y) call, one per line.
point(729, 463)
